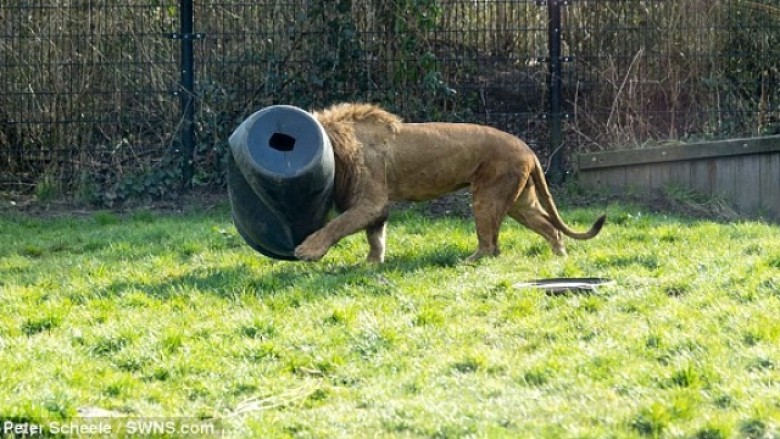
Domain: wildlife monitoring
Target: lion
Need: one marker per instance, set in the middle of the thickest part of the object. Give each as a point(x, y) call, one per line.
point(380, 160)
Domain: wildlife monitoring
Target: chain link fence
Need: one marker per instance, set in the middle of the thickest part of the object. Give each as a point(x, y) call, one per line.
point(92, 93)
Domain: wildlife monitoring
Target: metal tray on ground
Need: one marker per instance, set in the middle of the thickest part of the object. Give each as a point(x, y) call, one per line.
point(566, 284)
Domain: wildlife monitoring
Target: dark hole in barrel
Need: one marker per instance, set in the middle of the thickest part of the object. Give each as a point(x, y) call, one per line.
point(282, 142)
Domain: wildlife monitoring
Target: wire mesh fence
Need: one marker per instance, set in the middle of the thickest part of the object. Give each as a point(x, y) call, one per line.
point(652, 71)
point(90, 92)
point(84, 91)
point(460, 61)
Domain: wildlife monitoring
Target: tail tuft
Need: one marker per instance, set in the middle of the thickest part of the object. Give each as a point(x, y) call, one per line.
point(599, 224)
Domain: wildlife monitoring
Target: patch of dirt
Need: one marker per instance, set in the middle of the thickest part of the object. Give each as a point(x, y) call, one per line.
point(661, 203)
point(457, 204)
point(717, 210)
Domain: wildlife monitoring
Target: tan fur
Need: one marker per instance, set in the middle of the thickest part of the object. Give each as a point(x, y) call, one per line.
point(380, 160)
point(339, 122)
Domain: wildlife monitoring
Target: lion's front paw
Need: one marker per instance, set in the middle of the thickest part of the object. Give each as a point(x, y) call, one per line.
point(311, 249)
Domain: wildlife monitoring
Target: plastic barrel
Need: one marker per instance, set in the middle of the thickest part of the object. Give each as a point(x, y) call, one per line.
point(280, 179)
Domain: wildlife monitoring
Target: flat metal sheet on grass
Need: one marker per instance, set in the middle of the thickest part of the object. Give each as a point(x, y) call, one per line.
point(566, 284)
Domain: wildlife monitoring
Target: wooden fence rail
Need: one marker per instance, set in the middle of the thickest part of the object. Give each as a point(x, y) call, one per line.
point(746, 172)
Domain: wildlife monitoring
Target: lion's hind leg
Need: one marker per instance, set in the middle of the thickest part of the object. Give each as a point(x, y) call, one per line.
point(376, 242)
point(491, 202)
point(528, 212)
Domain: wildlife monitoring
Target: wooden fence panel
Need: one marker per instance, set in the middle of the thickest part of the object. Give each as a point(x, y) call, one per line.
point(679, 174)
point(769, 186)
point(726, 178)
point(747, 183)
point(745, 172)
point(658, 175)
point(702, 176)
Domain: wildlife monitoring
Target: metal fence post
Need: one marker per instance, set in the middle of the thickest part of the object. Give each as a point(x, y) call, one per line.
point(187, 94)
point(555, 146)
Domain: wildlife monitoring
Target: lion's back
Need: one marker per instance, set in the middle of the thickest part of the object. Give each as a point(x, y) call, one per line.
point(352, 113)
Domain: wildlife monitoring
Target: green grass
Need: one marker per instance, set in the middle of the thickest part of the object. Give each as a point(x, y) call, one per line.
point(154, 314)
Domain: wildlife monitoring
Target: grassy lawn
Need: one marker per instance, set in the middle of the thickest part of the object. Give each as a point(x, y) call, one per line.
point(159, 314)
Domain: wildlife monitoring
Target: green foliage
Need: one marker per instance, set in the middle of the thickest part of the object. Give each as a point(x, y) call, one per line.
point(48, 187)
point(158, 183)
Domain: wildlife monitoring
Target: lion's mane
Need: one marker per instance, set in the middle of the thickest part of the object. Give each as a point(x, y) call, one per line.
point(339, 123)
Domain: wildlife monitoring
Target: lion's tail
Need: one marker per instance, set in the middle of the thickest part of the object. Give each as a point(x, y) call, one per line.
point(545, 197)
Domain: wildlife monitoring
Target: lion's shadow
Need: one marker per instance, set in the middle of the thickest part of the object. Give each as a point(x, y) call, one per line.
point(318, 279)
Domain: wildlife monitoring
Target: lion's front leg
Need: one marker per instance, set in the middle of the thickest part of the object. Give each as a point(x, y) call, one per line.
point(314, 247)
point(353, 220)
